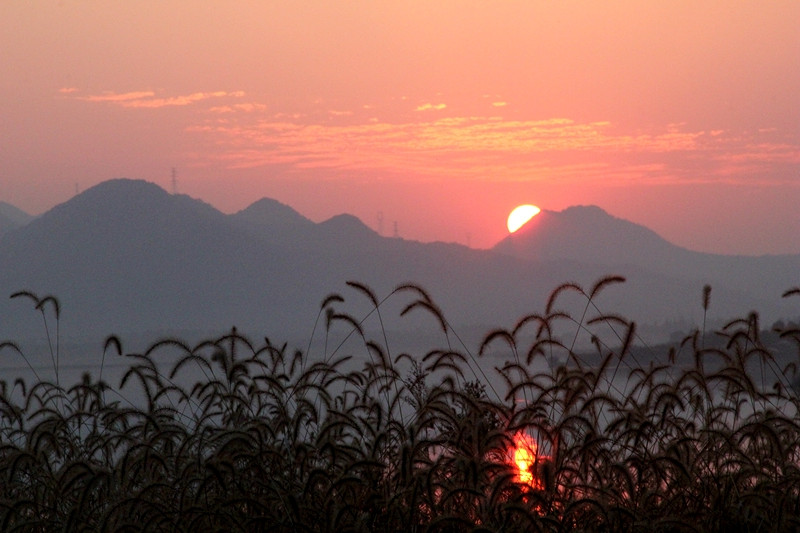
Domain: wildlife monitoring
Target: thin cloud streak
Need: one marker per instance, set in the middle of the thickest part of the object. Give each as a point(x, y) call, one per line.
point(147, 100)
point(246, 108)
point(431, 107)
point(117, 98)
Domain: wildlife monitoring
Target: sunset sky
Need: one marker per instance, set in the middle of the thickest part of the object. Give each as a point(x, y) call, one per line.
point(441, 116)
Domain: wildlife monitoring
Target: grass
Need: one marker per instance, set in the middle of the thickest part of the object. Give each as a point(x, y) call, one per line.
point(236, 435)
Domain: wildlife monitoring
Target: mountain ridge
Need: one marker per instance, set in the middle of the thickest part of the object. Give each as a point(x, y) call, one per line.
point(126, 255)
point(590, 235)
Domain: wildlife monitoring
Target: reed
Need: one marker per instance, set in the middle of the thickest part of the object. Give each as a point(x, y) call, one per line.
point(240, 435)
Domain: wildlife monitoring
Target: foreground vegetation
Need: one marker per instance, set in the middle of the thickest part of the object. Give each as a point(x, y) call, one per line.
point(232, 435)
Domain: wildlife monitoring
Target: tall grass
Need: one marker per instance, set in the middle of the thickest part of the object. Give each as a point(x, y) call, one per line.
point(236, 435)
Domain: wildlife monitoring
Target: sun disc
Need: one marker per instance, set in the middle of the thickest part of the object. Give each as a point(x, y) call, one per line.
point(520, 216)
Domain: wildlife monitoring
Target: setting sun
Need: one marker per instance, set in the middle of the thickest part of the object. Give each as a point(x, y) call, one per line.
point(523, 457)
point(520, 216)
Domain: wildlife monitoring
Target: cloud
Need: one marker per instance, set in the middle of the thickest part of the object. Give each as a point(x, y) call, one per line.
point(448, 146)
point(118, 98)
point(249, 107)
point(495, 148)
point(429, 107)
point(68, 90)
point(147, 99)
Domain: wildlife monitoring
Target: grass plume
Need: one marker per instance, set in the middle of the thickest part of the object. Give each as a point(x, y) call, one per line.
point(238, 435)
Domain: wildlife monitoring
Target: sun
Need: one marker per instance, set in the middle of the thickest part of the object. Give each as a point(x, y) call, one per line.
point(525, 461)
point(520, 216)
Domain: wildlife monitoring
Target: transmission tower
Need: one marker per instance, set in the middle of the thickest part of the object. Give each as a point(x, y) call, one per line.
point(174, 181)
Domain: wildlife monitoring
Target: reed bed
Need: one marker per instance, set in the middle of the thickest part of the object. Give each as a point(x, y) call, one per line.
point(236, 435)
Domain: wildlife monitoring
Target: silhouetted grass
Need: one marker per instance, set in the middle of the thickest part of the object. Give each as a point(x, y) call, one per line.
point(237, 435)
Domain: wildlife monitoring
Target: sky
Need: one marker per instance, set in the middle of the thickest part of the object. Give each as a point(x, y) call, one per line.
point(432, 118)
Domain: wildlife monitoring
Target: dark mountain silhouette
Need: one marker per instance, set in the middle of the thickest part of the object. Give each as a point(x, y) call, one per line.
point(343, 233)
point(12, 217)
point(590, 235)
point(126, 257)
point(273, 221)
point(587, 234)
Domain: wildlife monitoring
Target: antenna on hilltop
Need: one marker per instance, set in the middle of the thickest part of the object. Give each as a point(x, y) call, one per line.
point(380, 222)
point(174, 181)
point(396, 233)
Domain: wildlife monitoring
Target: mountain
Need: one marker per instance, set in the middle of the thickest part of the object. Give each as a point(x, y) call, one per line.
point(126, 257)
point(591, 236)
point(588, 234)
point(12, 217)
point(272, 221)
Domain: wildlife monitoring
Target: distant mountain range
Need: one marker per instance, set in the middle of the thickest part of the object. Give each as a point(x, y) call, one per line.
point(127, 257)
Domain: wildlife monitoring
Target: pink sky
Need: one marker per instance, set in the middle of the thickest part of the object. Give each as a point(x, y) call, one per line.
point(442, 116)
